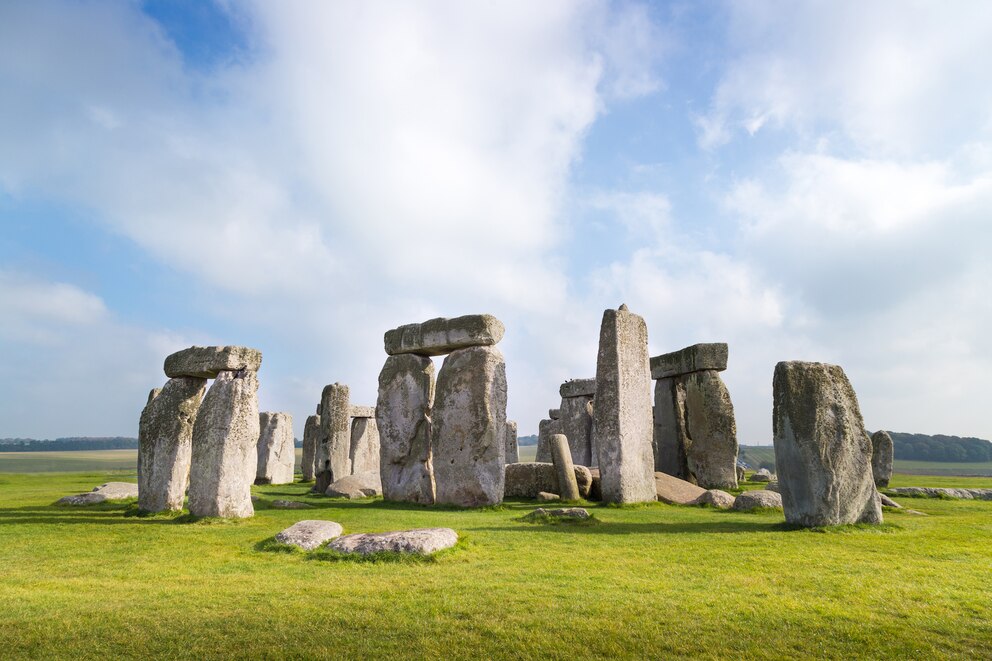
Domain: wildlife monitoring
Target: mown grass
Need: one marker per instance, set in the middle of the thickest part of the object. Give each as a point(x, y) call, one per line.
point(651, 581)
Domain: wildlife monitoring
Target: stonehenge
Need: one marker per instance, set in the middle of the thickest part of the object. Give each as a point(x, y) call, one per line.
point(526, 479)
point(695, 433)
point(512, 451)
point(881, 458)
point(562, 459)
point(311, 435)
point(333, 456)
point(403, 416)
point(364, 454)
point(276, 451)
point(576, 419)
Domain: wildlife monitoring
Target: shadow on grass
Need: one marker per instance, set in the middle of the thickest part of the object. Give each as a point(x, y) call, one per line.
point(106, 513)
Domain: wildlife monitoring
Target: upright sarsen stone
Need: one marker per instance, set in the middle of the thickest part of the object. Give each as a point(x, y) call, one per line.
point(576, 425)
point(710, 431)
point(468, 436)
point(670, 438)
point(822, 452)
point(165, 435)
point(225, 437)
point(881, 458)
point(623, 409)
point(311, 435)
point(403, 416)
point(545, 429)
point(512, 449)
point(364, 446)
point(561, 455)
point(334, 446)
point(276, 451)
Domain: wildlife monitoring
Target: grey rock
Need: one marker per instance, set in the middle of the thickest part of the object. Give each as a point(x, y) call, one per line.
point(669, 434)
point(578, 388)
point(773, 486)
point(623, 415)
point(364, 445)
point(276, 450)
point(545, 430)
point(362, 411)
point(468, 435)
point(716, 498)
point(762, 475)
point(165, 436)
point(103, 493)
point(440, 336)
point(935, 492)
point(208, 362)
point(290, 505)
point(311, 435)
point(595, 486)
point(672, 490)
point(881, 458)
point(576, 424)
point(740, 473)
point(561, 457)
point(334, 444)
point(711, 432)
point(152, 394)
point(309, 535)
point(757, 499)
point(554, 414)
point(403, 416)
point(547, 497)
point(528, 478)
point(422, 540)
point(359, 485)
point(567, 513)
point(225, 438)
point(822, 452)
point(698, 357)
point(888, 502)
point(512, 449)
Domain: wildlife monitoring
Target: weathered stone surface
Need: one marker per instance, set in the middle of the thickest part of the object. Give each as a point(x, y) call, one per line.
point(578, 388)
point(762, 475)
point(468, 435)
point(711, 431)
point(716, 498)
point(822, 452)
point(311, 435)
point(759, 498)
point(225, 439)
point(512, 449)
point(698, 357)
point(623, 415)
point(290, 505)
point(528, 478)
point(547, 497)
point(740, 473)
point(594, 450)
point(422, 540)
point(545, 429)
point(362, 411)
point(561, 457)
point(359, 485)
point(440, 336)
point(881, 458)
point(554, 414)
point(364, 445)
point(935, 492)
point(576, 425)
point(566, 513)
point(669, 434)
point(888, 502)
point(276, 451)
point(165, 436)
point(595, 485)
point(102, 493)
point(309, 535)
point(152, 394)
point(406, 395)
point(672, 490)
point(773, 486)
point(208, 362)
point(334, 444)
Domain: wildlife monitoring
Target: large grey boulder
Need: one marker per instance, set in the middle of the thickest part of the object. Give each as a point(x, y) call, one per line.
point(165, 437)
point(697, 358)
point(512, 449)
point(561, 457)
point(468, 434)
point(545, 430)
point(762, 475)
point(881, 458)
point(576, 425)
point(578, 388)
point(359, 485)
point(309, 535)
point(943, 492)
point(311, 435)
point(403, 416)
point(225, 438)
point(711, 432)
point(423, 541)
point(333, 459)
point(364, 445)
point(669, 434)
point(757, 499)
point(623, 415)
point(208, 362)
point(670, 489)
point(276, 449)
point(716, 498)
point(822, 452)
point(526, 479)
point(103, 493)
point(440, 336)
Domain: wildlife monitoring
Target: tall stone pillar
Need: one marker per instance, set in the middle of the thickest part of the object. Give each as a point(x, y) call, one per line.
point(364, 444)
point(333, 459)
point(276, 451)
point(403, 416)
point(512, 449)
point(311, 434)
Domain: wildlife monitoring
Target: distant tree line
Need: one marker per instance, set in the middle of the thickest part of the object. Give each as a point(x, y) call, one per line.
point(921, 447)
point(69, 443)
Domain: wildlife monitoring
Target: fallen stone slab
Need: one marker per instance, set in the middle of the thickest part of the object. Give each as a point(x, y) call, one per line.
point(935, 492)
point(561, 513)
point(716, 498)
point(528, 478)
point(208, 362)
point(440, 336)
point(290, 505)
point(674, 491)
point(546, 497)
point(888, 502)
point(362, 411)
point(423, 541)
point(103, 493)
point(309, 535)
point(758, 499)
point(360, 485)
point(698, 357)
point(762, 475)
point(578, 388)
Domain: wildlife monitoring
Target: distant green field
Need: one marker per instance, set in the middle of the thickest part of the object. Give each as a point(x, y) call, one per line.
point(755, 455)
point(69, 461)
point(527, 452)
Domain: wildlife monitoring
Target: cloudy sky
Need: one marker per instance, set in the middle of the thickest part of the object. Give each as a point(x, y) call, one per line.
point(802, 180)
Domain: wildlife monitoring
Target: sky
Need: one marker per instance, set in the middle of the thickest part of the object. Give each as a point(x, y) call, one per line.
point(802, 180)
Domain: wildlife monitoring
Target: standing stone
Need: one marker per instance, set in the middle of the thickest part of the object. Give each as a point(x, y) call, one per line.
point(276, 450)
point(311, 434)
point(468, 437)
point(334, 447)
point(545, 430)
point(593, 448)
point(881, 458)
point(561, 455)
point(364, 446)
point(623, 409)
point(822, 452)
point(512, 449)
point(225, 437)
point(576, 424)
point(669, 429)
point(711, 432)
point(165, 435)
point(403, 416)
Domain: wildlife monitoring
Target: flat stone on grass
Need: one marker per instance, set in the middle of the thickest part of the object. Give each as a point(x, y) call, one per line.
point(758, 499)
point(310, 534)
point(102, 493)
point(716, 498)
point(422, 541)
point(558, 515)
point(290, 505)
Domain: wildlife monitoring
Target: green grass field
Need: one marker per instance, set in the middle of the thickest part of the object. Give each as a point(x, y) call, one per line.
point(755, 455)
point(650, 581)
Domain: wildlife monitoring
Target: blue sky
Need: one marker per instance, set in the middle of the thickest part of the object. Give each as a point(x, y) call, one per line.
point(801, 180)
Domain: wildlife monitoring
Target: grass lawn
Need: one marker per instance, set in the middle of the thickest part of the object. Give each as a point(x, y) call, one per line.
point(644, 582)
